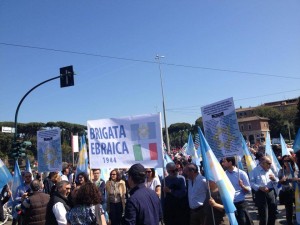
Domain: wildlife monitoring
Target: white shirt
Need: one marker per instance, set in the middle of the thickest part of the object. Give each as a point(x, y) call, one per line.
point(60, 213)
point(64, 177)
point(153, 184)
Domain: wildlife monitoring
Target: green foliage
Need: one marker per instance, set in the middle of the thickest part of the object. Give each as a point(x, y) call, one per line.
point(28, 131)
point(178, 133)
point(276, 121)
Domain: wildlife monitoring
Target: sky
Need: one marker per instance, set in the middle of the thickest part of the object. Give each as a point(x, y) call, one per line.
point(213, 50)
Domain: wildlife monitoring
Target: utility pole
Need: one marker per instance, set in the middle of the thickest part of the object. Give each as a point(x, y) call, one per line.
point(163, 99)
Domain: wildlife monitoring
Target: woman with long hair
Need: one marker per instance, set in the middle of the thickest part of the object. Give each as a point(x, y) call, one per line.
point(115, 197)
point(87, 209)
point(287, 175)
point(152, 182)
point(81, 179)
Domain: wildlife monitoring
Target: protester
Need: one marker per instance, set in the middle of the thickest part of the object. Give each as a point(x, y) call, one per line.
point(115, 197)
point(214, 210)
point(21, 190)
point(174, 209)
point(179, 167)
point(87, 209)
point(81, 178)
point(263, 181)
point(197, 191)
point(4, 197)
point(152, 181)
point(59, 205)
point(240, 181)
point(287, 175)
point(143, 206)
point(100, 183)
point(55, 178)
point(35, 205)
point(65, 172)
point(48, 183)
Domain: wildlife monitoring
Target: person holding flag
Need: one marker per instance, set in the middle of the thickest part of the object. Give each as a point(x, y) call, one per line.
point(263, 181)
point(241, 184)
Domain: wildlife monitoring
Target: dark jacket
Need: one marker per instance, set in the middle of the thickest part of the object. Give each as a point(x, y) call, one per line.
point(55, 198)
point(143, 207)
point(36, 213)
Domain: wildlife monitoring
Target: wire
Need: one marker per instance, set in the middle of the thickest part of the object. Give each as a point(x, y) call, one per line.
point(241, 99)
point(148, 61)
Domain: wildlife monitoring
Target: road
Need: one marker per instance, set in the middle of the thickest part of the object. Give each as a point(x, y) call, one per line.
point(254, 215)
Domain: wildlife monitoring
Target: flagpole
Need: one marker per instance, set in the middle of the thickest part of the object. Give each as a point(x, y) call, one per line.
point(163, 98)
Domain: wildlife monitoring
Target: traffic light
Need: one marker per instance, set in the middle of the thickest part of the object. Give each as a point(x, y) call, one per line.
point(15, 150)
point(66, 76)
point(19, 149)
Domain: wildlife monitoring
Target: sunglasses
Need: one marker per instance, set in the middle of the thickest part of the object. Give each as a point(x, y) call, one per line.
point(148, 171)
point(268, 163)
point(286, 160)
point(113, 174)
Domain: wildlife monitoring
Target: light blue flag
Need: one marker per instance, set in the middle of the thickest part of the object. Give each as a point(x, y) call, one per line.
point(284, 150)
point(190, 149)
point(269, 151)
point(296, 145)
point(82, 165)
point(214, 171)
point(248, 158)
point(167, 159)
point(104, 174)
point(5, 175)
point(28, 167)
point(17, 180)
point(240, 163)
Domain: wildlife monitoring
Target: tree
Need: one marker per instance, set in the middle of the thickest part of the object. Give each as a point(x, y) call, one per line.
point(276, 121)
point(297, 119)
point(178, 133)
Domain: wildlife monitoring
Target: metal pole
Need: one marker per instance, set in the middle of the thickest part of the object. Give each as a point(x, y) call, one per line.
point(17, 111)
point(164, 109)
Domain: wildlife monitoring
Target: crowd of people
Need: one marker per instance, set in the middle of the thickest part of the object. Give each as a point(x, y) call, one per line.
point(138, 196)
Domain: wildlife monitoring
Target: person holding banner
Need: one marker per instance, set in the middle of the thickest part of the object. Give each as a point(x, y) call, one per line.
point(115, 197)
point(287, 175)
point(263, 181)
point(240, 181)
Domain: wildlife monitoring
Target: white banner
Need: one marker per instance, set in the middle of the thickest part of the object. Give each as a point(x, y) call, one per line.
point(75, 146)
point(221, 128)
point(49, 150)
point(122, 142)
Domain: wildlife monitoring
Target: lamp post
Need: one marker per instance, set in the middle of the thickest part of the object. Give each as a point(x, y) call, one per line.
point(66, 79)
point(163, 98)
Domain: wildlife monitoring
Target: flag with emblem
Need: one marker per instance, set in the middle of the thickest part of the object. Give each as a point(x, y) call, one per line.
point(144, 133)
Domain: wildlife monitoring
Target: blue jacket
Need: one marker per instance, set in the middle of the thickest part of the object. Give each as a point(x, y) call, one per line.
point(143, 207)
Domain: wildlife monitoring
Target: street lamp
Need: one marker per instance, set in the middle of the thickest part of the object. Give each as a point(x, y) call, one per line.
point(163, 98)
point(66, 79)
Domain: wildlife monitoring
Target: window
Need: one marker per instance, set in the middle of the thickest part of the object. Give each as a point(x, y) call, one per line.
point(242, 127)
point(249, 126)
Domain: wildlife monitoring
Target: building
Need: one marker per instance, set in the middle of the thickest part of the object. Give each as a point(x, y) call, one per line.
point(254, 128)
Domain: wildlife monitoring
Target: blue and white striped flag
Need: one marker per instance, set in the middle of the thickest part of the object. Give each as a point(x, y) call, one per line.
point(214, 171)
